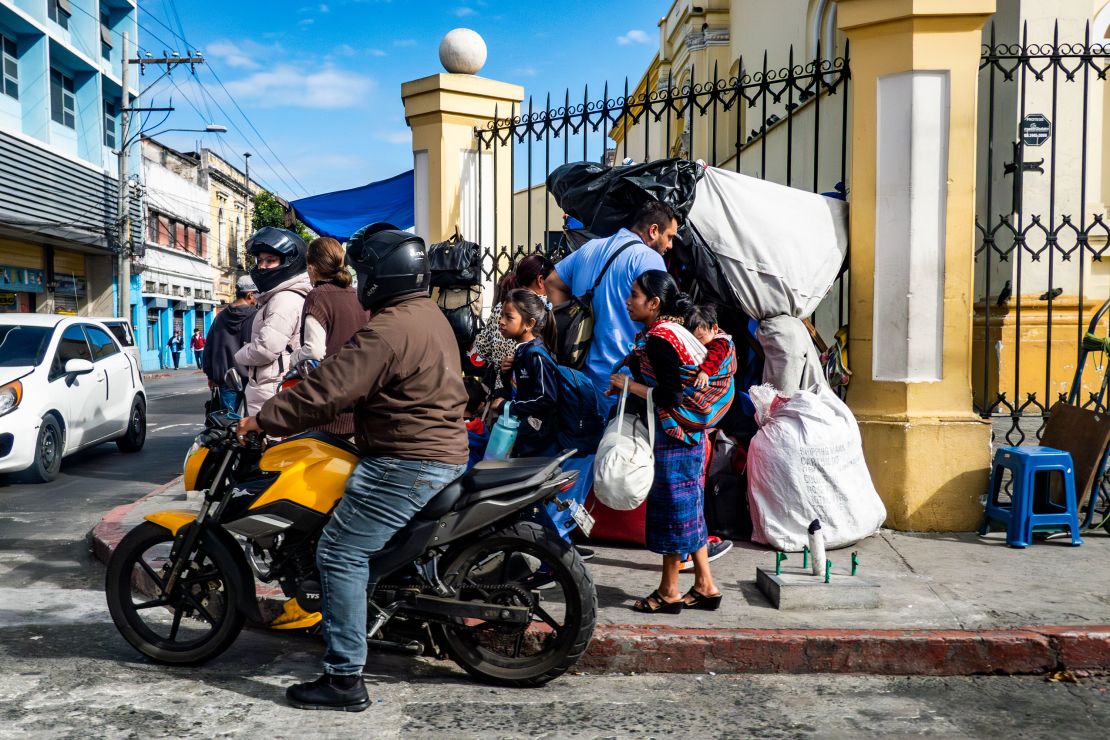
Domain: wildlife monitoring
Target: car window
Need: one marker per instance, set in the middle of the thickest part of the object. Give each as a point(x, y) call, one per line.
point(121, 332)
point(72, 346)
point(102, 345)
point(23, 345)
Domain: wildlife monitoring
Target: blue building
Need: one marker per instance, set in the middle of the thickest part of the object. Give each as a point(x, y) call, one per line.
point(60, 101)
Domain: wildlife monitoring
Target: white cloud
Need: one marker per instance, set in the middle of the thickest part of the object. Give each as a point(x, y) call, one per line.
point(376, 52)
point(306, 22)
point(635, 36)
point(286, 85)
point(400, 136)
point(525, 71)
point(463, 12)
point(401, 43)
point(234, 55)
point(324, 8)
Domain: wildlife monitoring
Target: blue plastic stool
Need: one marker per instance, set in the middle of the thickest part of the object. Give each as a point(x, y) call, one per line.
point(1024, 463)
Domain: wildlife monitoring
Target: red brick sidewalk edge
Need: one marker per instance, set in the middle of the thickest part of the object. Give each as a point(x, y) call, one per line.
point(665, 649)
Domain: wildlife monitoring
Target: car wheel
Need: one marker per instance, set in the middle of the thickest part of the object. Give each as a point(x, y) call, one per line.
point(135, 437)
point(48, 453)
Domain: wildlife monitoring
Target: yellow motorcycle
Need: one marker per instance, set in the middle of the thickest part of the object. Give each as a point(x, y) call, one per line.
point(469, 578)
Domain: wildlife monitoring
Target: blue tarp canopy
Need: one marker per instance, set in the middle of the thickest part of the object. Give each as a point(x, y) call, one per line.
point(344, 212)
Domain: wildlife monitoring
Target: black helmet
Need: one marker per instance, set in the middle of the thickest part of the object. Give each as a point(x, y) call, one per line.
point(285, 244)
point(389, 263)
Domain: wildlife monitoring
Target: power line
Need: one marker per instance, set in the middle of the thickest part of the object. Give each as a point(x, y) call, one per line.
point(239, 108)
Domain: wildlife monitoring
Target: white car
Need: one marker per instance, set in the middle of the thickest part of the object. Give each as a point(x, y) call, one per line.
point(65, 384)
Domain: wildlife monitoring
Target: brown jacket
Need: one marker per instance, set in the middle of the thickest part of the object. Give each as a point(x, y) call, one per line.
point(401, 374)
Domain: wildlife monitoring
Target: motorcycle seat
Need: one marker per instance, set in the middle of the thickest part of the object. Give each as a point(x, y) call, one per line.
point(442, 502)
point(497, 473)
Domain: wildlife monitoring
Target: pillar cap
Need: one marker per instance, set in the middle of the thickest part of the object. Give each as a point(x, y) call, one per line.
point(467, 96)
point(858, 13)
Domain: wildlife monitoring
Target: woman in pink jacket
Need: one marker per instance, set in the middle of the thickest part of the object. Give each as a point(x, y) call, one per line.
point(282, 279)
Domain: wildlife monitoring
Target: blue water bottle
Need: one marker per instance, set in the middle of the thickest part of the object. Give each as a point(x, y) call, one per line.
point(503, 435)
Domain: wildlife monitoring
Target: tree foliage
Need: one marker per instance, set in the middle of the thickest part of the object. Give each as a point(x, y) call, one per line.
point(269, 211)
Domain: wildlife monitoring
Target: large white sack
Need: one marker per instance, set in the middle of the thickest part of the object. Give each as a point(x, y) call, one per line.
point(779, 248)
point(790, 361)
point(805, 463)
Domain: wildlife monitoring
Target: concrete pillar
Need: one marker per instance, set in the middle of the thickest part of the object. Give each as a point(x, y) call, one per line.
point(914, 87)
point(456, 184)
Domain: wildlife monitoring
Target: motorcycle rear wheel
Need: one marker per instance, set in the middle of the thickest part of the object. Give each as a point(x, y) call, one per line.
point(522, 565)
point(197, 621)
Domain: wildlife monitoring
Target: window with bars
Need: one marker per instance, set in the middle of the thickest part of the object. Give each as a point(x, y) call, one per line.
point(9, 75)
point(110, 113)
point(59, 12)
point(63, 102)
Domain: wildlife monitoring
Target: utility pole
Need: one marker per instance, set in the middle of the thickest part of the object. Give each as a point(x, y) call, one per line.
point(123, 209)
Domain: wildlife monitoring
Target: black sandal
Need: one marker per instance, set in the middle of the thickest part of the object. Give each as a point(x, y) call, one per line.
point(698, 600)
point(662, 606)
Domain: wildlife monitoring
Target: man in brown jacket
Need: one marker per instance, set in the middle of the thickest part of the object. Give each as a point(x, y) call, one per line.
point(401, 375)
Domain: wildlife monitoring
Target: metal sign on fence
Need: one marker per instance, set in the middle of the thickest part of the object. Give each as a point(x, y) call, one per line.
point(1035, 129)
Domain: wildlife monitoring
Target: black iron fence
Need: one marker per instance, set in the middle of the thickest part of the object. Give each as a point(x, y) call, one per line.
point(789, 125)
point(1042, 231)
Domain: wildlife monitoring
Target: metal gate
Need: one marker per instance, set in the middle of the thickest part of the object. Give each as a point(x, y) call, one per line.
point(1040, 277)
point(789, 125)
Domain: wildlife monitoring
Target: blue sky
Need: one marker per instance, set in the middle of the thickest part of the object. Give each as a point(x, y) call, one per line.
point(321, 80)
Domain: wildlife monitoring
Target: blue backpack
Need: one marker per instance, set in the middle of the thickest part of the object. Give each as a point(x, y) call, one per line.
point(581, 420)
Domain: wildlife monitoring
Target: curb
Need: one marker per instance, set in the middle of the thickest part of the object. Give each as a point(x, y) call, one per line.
point(162, 375)
point(619, 648)
point(107, 533)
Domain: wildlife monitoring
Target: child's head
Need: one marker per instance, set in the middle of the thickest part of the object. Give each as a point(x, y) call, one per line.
point(524, 316)
point(702, 322)
point(477, 394)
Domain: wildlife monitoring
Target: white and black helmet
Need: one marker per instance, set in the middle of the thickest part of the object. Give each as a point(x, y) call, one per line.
point(285, 244)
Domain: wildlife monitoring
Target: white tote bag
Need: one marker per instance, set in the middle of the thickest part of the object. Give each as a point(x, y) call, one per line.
point(625, 464)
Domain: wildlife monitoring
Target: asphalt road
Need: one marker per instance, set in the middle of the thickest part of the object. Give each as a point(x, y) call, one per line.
point(67, 673)
point(43, 526)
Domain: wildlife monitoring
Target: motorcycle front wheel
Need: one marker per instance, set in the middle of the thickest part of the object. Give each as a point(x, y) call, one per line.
point(193, 623)
point(523, 566)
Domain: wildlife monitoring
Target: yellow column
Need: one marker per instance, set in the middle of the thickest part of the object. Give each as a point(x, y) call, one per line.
point(914, 86)
point(456, 183)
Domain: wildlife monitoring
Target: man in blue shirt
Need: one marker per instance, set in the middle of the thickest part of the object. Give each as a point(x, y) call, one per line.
point(650, 235)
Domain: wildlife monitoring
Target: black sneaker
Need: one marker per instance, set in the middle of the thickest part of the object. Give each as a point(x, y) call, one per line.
point(339, 693)
point(584, 552)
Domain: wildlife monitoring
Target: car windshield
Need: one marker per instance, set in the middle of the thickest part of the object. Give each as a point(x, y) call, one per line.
point(23, 345)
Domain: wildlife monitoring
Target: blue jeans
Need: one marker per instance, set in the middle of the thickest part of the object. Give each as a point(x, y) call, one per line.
point(229, 398)
point(382, 495)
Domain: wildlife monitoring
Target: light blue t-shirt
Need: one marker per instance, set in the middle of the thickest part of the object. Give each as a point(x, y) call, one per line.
point(613, 330)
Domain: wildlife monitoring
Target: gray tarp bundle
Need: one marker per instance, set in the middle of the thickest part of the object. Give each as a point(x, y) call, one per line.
point(770, 250)
point(779, 250)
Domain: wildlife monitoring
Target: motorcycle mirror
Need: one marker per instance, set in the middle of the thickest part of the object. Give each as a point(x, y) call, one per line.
point(232, 379)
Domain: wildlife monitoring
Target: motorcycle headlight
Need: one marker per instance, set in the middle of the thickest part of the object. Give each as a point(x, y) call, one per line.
point(10, 396)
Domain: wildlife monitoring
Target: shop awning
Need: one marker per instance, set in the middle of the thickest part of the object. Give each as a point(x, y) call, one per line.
point(344, 212)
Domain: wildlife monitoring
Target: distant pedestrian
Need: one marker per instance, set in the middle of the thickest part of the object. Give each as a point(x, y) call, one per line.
point(176, 344)
point(197, 345)
point(230, 330)
point(331, 315)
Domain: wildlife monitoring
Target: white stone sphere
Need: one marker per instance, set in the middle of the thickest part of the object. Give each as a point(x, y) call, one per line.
point(462, 51)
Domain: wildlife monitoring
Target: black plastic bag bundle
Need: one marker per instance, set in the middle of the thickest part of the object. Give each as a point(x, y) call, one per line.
point(606, 198)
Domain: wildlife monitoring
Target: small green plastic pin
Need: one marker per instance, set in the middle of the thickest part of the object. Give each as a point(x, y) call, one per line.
point(855, 562)
point(779, 557)
point(805, 557)
point(828, 570)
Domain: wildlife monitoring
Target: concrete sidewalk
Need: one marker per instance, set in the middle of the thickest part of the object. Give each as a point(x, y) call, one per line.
point(951, 604)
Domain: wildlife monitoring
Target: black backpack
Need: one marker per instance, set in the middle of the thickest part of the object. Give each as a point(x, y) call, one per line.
point(574, 320)
point(455, 263)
